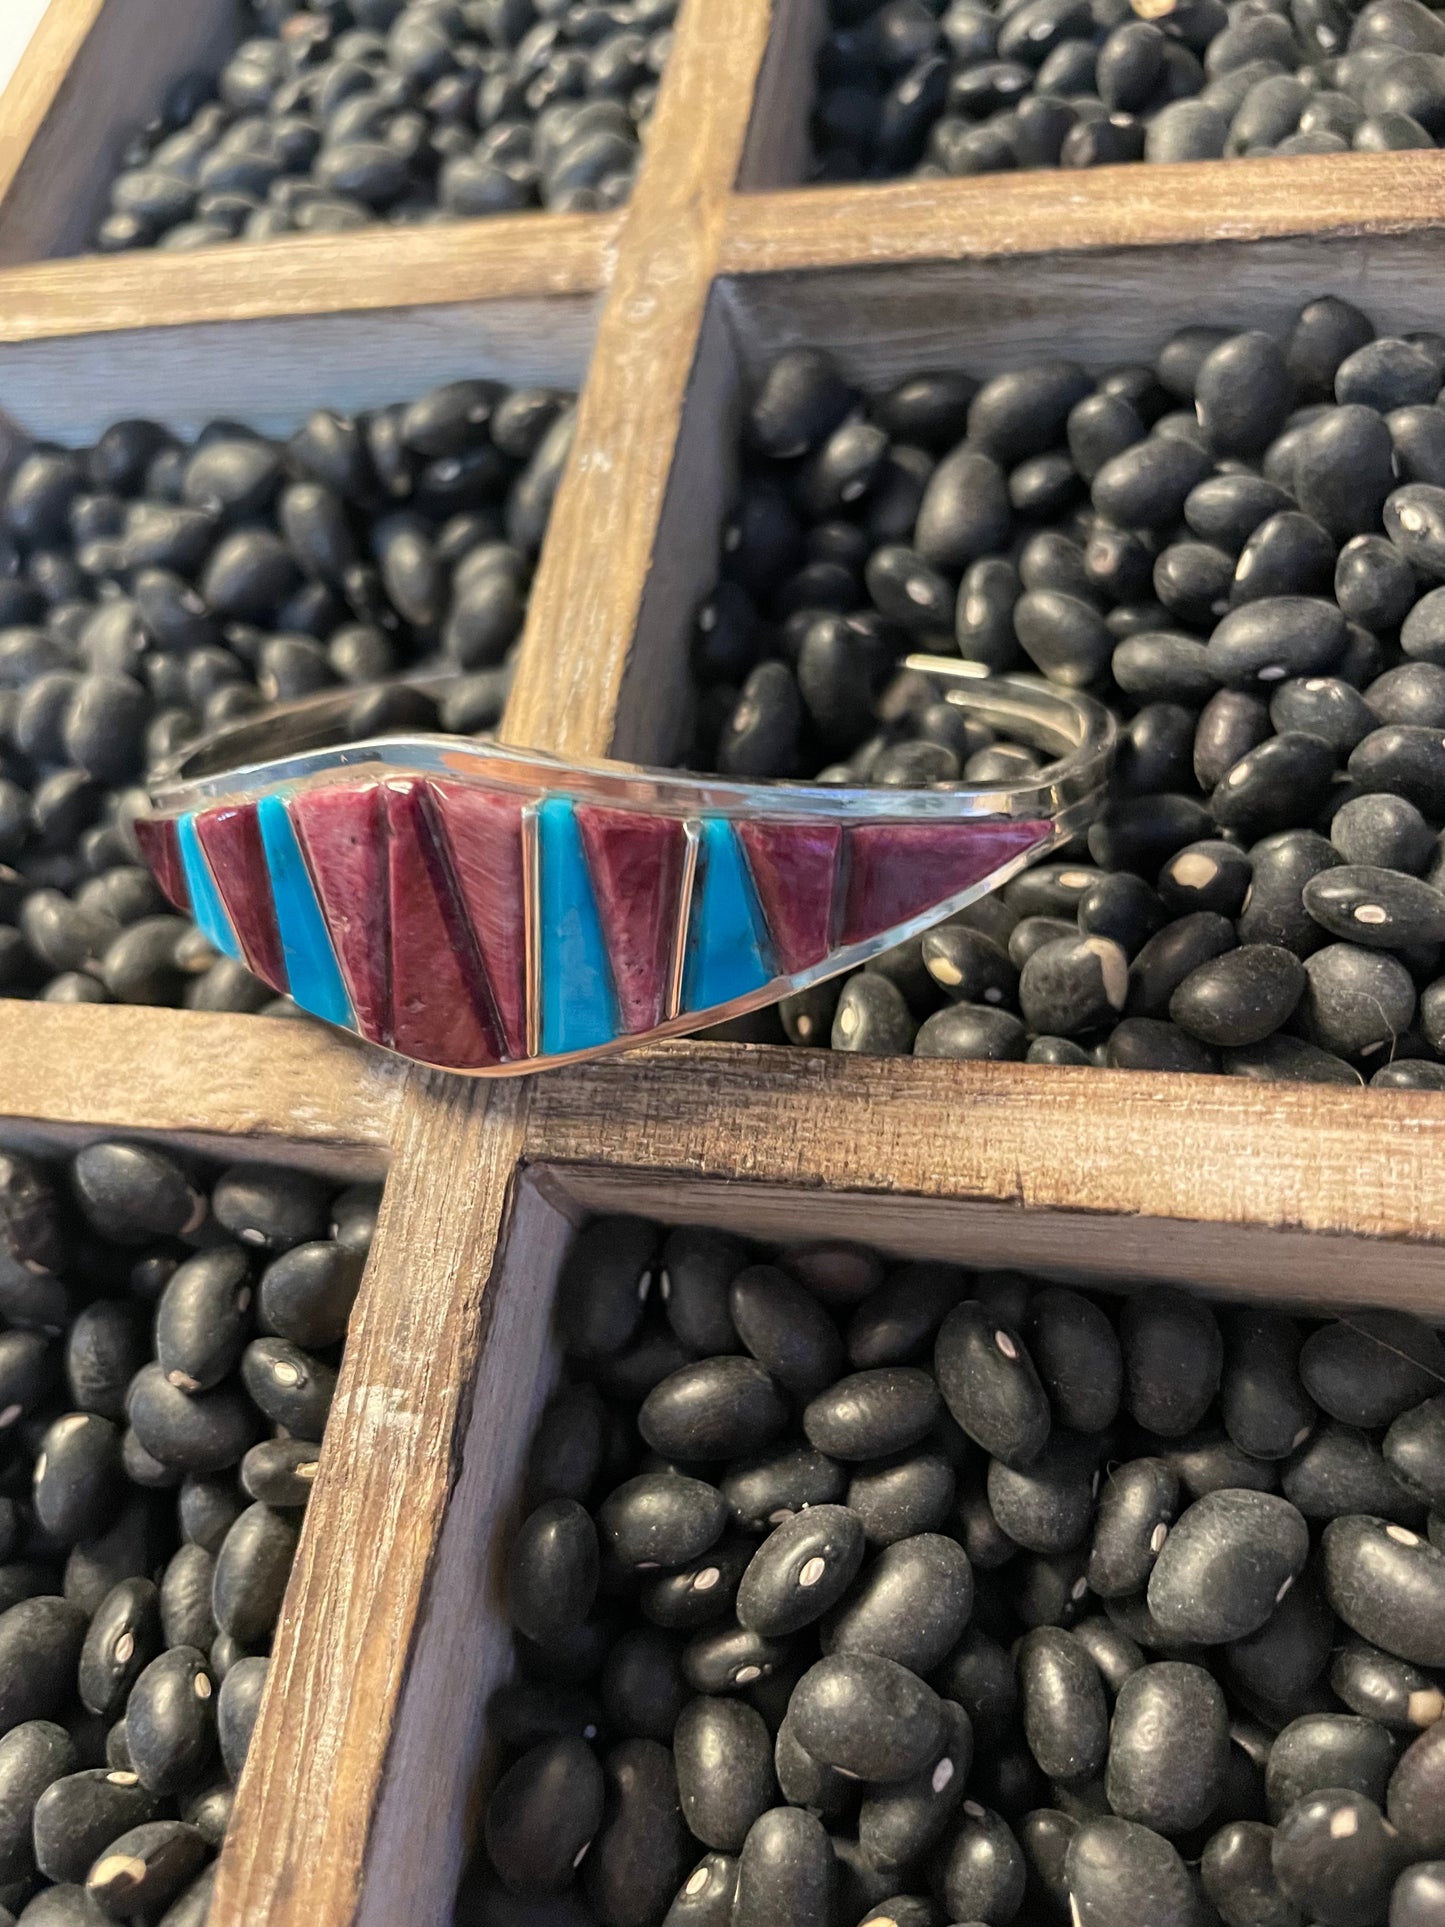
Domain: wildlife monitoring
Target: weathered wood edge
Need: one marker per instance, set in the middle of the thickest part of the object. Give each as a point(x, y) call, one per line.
point(1204, 1150)
point(216, 1081)
point(602, 540)
point(511, 257)
point(304, 1815)
point(1307, 1157)
point(1082, 211)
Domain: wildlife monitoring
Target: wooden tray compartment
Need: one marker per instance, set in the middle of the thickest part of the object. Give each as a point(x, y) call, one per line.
point(270, 372)
point(341, 1163)
point(362, 1776)
point(463, 1650)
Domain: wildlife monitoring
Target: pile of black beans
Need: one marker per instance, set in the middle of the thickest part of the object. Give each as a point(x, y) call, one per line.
point(1241, 549)
point(955, 87)
point(336, 114)
point(857, 1595)
point(169, 1339)
point(151, 589)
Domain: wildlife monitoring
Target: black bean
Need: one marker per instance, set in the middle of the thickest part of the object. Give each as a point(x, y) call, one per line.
point(292, 1387)
point(1064, 1711)
point(78, 1816)
point(785, 1871)
point(269, 1206)
point(868, 1415)
point(552, 1575)
point(971, 1031)
point(1173, 1359)
point(1226, 1565)
point(1385, 1689)
point(896, 1498)
point(1419, 1892)
point(714, 1409)
point(643, 1689)
point(1241, 997)
point(207, 1508)
point(1379, 908)
point(1270, 787)
point(1340, 1471)
point(965, 513)
point(1412, 1448)
point(1386, 1583)
point(639, 1853)
point(131, 1193)
point(1046, 1506)
point(192, 1434)
point(1326, 707)
point(123, 1637)
point(1077, 1358)
point(661, 1519)
point(147, 1866)
point(785, 1329)
point(982, 1867)
point(1146, 486)
point(800, 1571)
point(910, 1607)
point(40, 1644)
point(724, 1758)
point(1074, 985)
point(33, 1756)
point(1344, 469)
point(185, 1598)
point(1333, 1855)
point(544, 1815)
point(990, 1385)
point(202, 1321)
point(763, 1491)
point(1138, 1503)
point(867, 1716)
point(705, 1898)
point(1140, 833)
point(800, 403)
point(170, 1721)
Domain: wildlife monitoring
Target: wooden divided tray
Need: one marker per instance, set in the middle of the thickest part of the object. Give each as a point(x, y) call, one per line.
point(361, 1784)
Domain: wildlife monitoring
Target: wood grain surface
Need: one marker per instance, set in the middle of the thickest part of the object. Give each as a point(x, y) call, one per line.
point(357, 1604)
point(1250, 1264)
point(514, 257)
point(94, 72)
point(603, 537)
point(1075, 210)
point(463, 1648)
point(222, 1082)
point(1211, 1150)
point(355, 1806)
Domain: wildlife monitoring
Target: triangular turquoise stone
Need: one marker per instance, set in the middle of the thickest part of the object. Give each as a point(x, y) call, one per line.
point(579, 1008)
point(311, 966)
point(206, 906)
point(728, 949)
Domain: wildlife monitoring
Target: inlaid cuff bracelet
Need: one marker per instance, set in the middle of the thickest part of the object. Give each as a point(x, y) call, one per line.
point(492, 910)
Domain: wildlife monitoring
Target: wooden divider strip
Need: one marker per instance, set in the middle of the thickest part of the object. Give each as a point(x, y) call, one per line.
point(602, 539)
point(310, 274)
point(231, 1081)
point(1065, 210)
point(298, 1842)
point(1210, 1150)
point(310, 1812)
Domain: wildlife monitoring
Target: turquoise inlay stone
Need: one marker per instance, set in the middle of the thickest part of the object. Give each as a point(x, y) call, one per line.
point(728, 951)
point(305, 941)
point(206, 906)
point(579, 1008)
